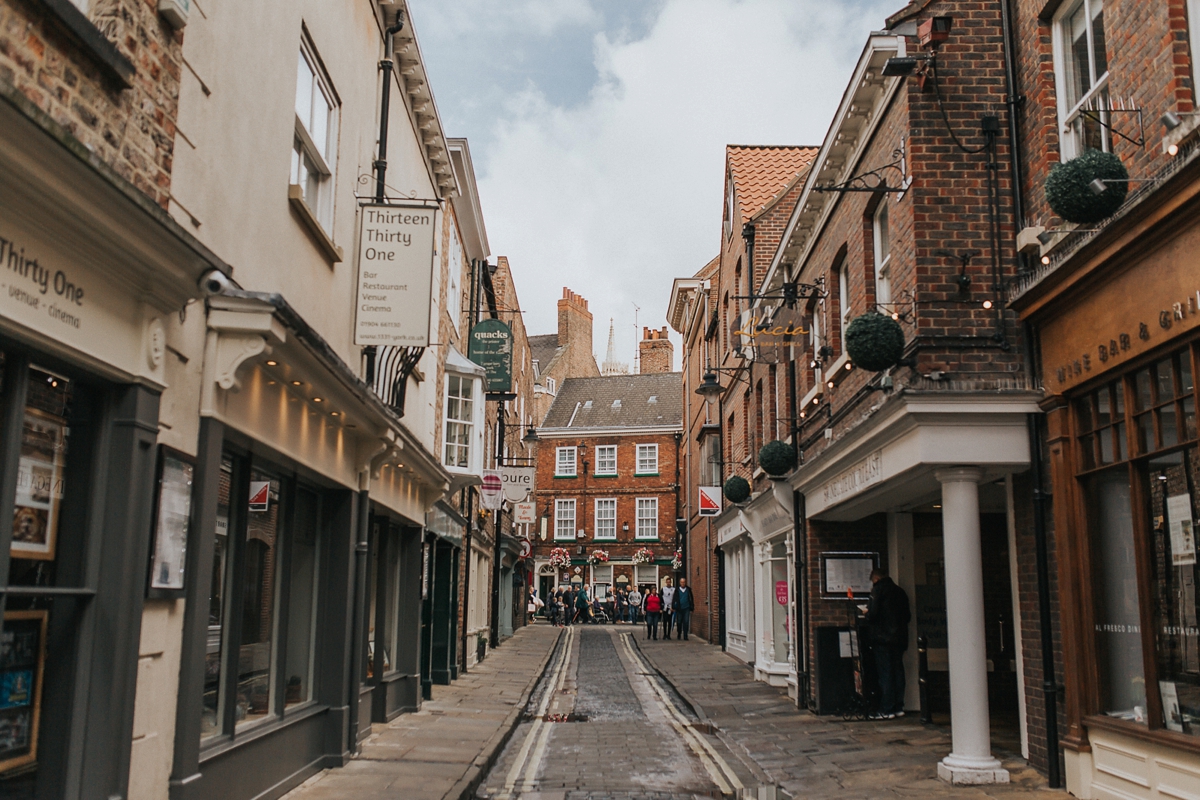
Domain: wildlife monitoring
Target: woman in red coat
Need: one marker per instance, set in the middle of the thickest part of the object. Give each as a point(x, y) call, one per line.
point(654, 607)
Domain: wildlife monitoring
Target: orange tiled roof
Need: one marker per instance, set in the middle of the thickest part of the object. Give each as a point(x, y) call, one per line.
point(760, 172)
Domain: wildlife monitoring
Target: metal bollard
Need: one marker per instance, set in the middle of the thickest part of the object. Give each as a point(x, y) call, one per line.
point(923, 678)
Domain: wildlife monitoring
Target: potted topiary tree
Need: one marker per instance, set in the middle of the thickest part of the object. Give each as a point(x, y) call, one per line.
point(737, 489)
point(777, 458)
point(874, 341)
point(1079, 190)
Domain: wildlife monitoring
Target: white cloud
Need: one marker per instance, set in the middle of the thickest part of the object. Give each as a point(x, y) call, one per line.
point(619, 192)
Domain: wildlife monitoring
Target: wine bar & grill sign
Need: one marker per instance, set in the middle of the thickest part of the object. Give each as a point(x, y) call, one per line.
point(395, 275)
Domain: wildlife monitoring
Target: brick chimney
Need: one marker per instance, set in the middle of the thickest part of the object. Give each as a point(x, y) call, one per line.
point(656, 353)
point(574, 321)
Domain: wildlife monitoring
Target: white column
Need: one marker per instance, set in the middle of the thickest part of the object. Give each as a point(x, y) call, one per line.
point(970, 760)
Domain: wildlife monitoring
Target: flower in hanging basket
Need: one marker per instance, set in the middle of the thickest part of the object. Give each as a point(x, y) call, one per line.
point(737, 489)
point(1070, 187)
point(598, 557)
point(874, 341)
point(644, 555)
point(677, 560)
point(560, 557)
point(777, 458)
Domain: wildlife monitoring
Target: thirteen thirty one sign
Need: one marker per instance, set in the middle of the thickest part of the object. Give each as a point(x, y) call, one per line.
point(395, 276)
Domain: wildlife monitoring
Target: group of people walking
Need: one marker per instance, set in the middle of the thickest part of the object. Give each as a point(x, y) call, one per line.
point(664, 607)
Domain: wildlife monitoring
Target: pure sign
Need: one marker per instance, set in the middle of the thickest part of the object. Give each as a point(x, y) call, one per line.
point(395, 276)
point(518, 482)
point(491, 347)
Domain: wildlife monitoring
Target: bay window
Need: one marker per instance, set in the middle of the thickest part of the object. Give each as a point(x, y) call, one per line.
point(463, 415)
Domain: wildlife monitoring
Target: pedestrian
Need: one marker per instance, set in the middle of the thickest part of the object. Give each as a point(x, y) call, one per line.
point(582, 605)
point(568, 604)
point(622, 605)
point(668, 615)
point(654, 607)
point(635, 605)
point(888, 616)
point(684, 603)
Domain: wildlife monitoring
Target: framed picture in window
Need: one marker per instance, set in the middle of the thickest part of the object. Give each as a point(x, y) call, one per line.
point(172, 517)
point(22, 664)
point(39, 485)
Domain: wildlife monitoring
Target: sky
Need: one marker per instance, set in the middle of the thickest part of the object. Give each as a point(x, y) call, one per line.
point(598, 130)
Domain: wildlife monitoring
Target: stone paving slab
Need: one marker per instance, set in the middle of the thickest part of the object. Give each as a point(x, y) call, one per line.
point(443, 750)
point(816, 757)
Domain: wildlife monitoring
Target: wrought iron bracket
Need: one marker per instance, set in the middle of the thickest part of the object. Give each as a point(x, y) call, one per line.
point(876, 180)
point(1096, 111)
point(791, 293)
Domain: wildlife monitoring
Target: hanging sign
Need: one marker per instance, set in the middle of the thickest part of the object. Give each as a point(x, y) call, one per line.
point(525, 513)
point(260, 495)
point(710, 501)
point(491, 347)
point(395, 275)
point(492, 491)
point(518, 482)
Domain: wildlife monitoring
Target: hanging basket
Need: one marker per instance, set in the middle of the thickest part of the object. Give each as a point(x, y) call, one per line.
point(874, 342)
point(1069, 192)
point(644, 555)
point(597, 557)
point(560, 557)
point(777, 458)
point(737, 489)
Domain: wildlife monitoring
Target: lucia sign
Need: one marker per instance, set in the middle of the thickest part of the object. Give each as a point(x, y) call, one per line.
point(395, 275)
point(767, 335)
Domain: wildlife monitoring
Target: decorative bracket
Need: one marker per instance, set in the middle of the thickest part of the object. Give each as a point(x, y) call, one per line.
point(876, 180)
point(1100, 111)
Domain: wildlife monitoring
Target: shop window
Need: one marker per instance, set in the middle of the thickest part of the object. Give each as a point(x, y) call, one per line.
point(606, 519)
point(606, 459)
point(564, 519)
point(1081, 65)
point(314, 149)
point(602, 578)
point(883, 257)
point(710, 468)
point(564, 462)
point(647, 518)
point(778, 591)
point(264, 595)
point(1101, 422)
point(646, 575)
point(1164, 404)
point(647, 459)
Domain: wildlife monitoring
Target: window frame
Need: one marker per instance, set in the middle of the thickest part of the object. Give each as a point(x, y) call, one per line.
point(304, 144)
point(596, 519)
point(474, 457)
point(638, 470)
point(1071, 141)
point(639, 518)
point(599, 472)
point(881, 247)
point(562, 505)
point(560, 463)
point(843, 276)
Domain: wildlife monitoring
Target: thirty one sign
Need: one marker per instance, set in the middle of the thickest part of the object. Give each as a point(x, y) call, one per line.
point(395, 276)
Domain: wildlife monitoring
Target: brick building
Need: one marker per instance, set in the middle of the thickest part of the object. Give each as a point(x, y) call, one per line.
point(565, 354)
point(608, 465)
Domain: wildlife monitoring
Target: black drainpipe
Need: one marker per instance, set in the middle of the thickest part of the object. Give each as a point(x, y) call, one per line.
point(386, 65)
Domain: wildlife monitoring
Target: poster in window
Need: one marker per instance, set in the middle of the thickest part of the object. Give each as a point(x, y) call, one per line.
point(1183, 539)
point(22, 663)
point(168, 562)
point(39, 486)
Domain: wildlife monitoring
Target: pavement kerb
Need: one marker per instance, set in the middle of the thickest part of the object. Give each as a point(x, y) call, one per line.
point(697, 708)
point(465, 787)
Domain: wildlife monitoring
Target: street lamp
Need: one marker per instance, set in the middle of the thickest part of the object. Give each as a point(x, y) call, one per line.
point(710, 388)
point(531, 436)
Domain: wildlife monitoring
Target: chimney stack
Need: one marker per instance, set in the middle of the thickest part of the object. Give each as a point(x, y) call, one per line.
point(574, 321)
point(656, 353)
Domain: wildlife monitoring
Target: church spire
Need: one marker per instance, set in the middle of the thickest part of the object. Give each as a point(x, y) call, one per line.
point(611, 366)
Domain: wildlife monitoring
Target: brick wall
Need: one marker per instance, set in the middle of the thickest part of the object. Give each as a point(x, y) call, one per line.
point(130, 129)
point(656, 353)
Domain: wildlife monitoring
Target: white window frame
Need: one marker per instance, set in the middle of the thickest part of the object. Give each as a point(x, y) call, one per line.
point(562, 456)
point(455, 269)
point(472, 422)
point(564, 520)
point(314, 162)
point(649, 531)
point(647, 460)
point(881, 230)
point(640, 571)
point(606, 523)
point(602, 461)
point(843, 274)
point(599, 573)
point(1071, 139)
point(1193, 12)
point(551, 385)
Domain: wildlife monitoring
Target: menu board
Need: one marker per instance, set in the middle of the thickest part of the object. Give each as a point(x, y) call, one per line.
point(22, 662)
point(39, 485)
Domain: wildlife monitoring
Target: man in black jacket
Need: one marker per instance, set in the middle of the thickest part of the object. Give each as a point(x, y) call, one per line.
point(684, 604)
point(888, 615)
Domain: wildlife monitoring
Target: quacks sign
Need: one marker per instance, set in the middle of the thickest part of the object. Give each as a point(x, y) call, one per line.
point(491, 347)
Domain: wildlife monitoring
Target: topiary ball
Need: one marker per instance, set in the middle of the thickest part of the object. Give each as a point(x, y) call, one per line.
point(874, 341)
point(737, 489)
point(1070, 195)
point(777, 457)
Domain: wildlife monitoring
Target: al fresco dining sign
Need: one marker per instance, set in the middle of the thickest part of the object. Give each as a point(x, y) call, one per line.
point(862, 475)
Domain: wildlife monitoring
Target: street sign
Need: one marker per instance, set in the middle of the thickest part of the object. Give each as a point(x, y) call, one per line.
point(491, 347)
point(518, 482)
point(710, 501)
point(526, 548)
point(525, 513)
point(491, 493)
point(260, 495)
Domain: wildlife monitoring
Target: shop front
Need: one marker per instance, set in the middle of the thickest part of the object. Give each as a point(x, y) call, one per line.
point(278, 638)
point(1118, 323)
point(445, 529)
point(94, 278)
point(924, 459)
point(769, 524)
point(738, 587)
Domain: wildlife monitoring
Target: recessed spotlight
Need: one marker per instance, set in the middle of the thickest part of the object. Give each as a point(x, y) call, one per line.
point(849, 366)
point(270, 383)
point(297, 383)
point(317, 400)
point(272, 363)
point(333, 413)
point(987, 303)
point(829, 384)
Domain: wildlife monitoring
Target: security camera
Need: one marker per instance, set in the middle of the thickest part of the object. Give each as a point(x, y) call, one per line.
point(214, 282)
